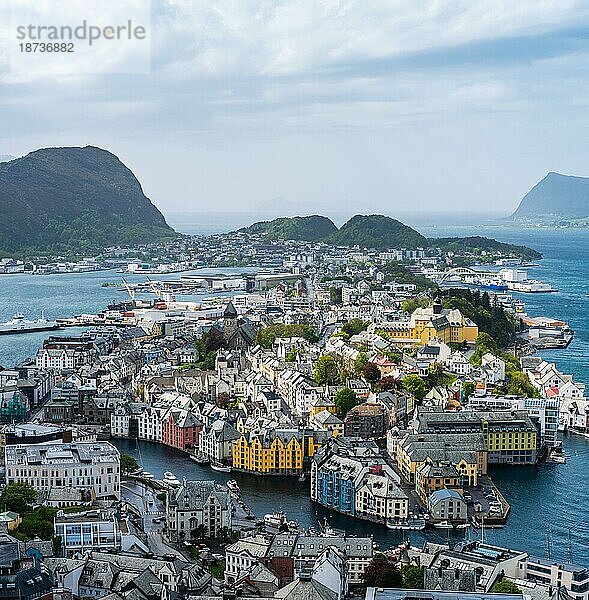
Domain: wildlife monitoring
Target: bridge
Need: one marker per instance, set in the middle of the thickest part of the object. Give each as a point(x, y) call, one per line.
point(464, 273)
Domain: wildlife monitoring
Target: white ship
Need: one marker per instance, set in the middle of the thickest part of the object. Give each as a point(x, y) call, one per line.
point(18, 324)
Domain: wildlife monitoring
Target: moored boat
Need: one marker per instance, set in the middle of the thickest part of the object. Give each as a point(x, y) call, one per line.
point(220, 468)
point(171, 479)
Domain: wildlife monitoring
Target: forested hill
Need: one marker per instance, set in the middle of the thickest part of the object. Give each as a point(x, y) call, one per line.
point(73, 200)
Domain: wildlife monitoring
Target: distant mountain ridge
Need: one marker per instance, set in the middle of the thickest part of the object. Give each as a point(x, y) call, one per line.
point(74, 199)
point(557, 195)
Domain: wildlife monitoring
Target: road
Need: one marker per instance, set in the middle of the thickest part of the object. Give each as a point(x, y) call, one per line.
point(149, 507)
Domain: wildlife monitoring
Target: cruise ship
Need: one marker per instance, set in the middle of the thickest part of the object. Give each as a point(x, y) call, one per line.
point(18, 324)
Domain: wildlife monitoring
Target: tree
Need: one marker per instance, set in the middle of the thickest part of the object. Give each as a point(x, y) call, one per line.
point(128, 463)
point(519, 385)
point(415, 385)
point(371, 373)
point(345, 400)
point(360, 362)
point(38, 522)
point(326, 371)
point(354, 327)
point(214, 340)
point(223, 399)
point(380, 572)
point(412, 577)
point(18, 497)
point(387, 383)
point(506, 587)
point(335, 295)
point(468, 389)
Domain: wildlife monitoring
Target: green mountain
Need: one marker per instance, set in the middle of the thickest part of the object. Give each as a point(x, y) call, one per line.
point(68, 200)
point(309, 229)
point(478, 245)
point(380, 233)
point(560, 196)
point(377, 231)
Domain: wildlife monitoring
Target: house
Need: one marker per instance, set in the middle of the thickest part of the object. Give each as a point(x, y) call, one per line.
point(447, 505)
point(197, 508)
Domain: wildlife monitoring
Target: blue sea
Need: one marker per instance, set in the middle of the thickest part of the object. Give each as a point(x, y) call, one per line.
point(549, 502)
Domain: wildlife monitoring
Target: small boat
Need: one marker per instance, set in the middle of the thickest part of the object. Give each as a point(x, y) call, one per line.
point(220, 468)
point(443, 525)
point(557, 455)
point(232, 486)
point(171, 479)
point(302, 477)
point(199, 457)
point(147, 475)
point(293, 525)
point(274, 519)
point(461, 526)
point(415, 524)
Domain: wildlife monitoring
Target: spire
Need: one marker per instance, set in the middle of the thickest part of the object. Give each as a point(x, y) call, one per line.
point(230, 311)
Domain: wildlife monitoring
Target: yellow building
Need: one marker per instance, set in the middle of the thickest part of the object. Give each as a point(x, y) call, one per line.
point(415, 450)
point(276, 452)
point(448, 325)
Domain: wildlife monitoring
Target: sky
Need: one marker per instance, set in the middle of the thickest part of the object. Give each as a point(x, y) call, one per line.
point(318, 106)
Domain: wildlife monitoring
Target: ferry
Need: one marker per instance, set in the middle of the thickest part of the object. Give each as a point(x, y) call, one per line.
point(557, 455)
point(18, 324)
point(171, 479)
point(274, 519)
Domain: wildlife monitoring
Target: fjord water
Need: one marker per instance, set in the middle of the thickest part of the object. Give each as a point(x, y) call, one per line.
point(549, 501)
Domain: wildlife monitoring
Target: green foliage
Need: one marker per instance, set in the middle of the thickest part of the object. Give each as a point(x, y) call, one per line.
point(395, 271)
point(38, 523)
point(377, 231)
point(128, 463)
point(326, 371)
point(506, 587)
point(412, 577)
point(292, 355)
point(360, 362)
point(490, 318)
point(266, 336)
point(63, 200)
point(468, 388)
point(354, 327)
point(345, 400)
point(519, 384)
point(208, 345)
point(335, 295)
point(161, 496)
point(311, 229)
point(381, 572)
point(479, 245)
point(412, 304)
point(18, 497)
point(415, 385)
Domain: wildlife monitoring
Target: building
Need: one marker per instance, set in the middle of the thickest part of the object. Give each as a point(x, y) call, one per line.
point(447, 505)
point(88, 530)
point(197, 508)
point(350, 476)
point(22, 577)
point(431, 477)
point(276, 451)
point(92, 466)
point(181, 429)
point(216, 441)
point(425, 324)
point(511, 437)
point(365, 421)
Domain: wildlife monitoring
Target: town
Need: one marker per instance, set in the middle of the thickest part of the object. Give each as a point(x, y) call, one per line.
point(388, 384)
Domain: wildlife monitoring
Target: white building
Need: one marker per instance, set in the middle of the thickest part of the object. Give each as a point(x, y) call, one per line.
point(93, 466)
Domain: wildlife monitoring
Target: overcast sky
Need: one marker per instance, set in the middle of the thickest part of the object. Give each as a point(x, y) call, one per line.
point(329, 106)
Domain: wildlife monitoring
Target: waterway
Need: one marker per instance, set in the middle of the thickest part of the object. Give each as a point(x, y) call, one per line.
point(549, 501)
